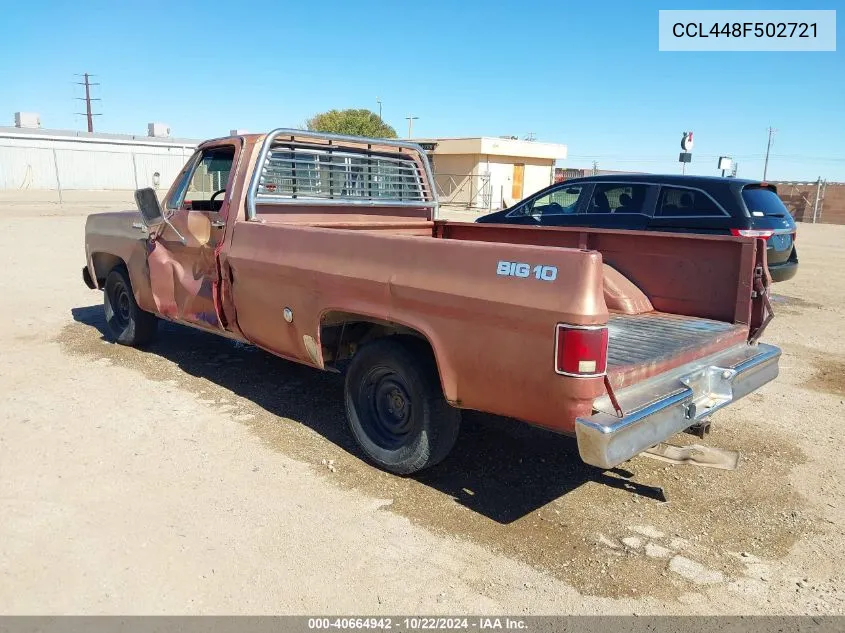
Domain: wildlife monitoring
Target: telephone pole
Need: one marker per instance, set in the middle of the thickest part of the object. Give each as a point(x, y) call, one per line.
point(818, 195)
point(411, 120)
point(772, 132)
point(88, 113)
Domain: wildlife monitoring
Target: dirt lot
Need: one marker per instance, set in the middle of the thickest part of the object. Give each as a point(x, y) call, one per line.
point(201, 476)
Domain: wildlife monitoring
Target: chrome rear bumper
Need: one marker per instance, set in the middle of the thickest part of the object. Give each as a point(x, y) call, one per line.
point(662, 406)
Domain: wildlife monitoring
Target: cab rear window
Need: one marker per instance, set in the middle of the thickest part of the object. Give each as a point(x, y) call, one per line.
point(762, 201)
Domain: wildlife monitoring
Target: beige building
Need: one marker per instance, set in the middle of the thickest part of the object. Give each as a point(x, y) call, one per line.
point(482, 172)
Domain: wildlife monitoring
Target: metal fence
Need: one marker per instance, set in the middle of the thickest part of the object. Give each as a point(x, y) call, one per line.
point(472, 191)
point(805, 200)
point(58, 168)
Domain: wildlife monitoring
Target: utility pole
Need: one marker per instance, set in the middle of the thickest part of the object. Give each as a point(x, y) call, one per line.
point(88, 113)
point(411, 120)
point(378, 101)
point(595, 167)
point(772, 132)
point(818, 192)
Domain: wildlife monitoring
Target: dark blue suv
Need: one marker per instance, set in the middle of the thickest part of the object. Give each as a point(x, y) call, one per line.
point(681, 204)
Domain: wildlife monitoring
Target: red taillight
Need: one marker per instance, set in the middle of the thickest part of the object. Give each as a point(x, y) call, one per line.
point(581, 351)
point(764, 233)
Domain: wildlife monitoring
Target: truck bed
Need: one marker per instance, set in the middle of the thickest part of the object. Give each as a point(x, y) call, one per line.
point(643, 345)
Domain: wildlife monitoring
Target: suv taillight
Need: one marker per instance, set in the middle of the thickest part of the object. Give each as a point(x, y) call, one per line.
point(764, 233)
point(581, 350)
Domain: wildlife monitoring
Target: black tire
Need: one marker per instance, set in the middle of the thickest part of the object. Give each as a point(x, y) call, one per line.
point(127, 323)
point(395, 406)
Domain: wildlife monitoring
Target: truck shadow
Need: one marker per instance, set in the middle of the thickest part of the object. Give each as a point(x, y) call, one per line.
point(500, 468)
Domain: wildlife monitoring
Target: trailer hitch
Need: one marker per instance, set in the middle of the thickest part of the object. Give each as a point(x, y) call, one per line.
point(700, 429)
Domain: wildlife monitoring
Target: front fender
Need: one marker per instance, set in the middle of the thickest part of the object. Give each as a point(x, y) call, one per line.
point(112, 240)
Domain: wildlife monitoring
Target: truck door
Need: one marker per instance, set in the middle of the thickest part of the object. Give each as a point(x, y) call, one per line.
point(184, 274)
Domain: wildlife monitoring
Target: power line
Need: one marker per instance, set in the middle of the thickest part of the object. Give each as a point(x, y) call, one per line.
point(809, 157)
point(87, 99)
point(800, 158)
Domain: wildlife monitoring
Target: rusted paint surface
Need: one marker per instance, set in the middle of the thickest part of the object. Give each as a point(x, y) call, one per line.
point(492, 335)
point(622, 295)
point(182, 277)
point(681, 273)
point(112, 237)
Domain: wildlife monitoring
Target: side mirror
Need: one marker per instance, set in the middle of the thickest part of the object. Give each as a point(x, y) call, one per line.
point(149, 206)
point(151, 213)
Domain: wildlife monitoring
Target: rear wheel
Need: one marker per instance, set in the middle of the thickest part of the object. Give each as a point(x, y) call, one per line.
point(395, 406)
point(127, 323)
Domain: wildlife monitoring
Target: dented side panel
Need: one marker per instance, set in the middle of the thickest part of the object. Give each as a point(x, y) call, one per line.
point(184, 274)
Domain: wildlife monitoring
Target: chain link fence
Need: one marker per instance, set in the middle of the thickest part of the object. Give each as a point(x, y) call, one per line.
point(470, 191)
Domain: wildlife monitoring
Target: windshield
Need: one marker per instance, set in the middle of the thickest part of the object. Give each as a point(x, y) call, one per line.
point(763, 202)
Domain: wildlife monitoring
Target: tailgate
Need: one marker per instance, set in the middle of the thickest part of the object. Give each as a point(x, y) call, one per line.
point(644, 345)
point(658, 408)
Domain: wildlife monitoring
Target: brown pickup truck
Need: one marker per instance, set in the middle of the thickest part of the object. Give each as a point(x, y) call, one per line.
point(326, 250)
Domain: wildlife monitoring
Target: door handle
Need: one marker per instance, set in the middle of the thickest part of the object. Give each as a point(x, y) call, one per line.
point(140, 226)
point(218, 224)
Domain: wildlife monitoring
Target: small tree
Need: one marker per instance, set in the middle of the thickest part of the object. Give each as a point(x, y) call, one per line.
point(353, 122)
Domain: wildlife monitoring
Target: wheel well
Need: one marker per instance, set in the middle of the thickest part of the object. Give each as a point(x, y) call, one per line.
point(343, 333)
point(103, 265)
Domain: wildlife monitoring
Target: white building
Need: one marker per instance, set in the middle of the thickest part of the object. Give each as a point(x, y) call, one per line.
point(482, 172)
point(34, 158)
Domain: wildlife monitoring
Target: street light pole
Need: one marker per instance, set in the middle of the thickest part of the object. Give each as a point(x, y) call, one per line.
point(378, 101)
point(411, 120)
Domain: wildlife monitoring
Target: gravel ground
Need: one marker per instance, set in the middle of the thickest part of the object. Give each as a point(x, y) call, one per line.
point(202, 476)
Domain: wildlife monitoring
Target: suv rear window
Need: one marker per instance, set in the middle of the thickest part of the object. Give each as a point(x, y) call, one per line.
point(762, 201)
point(680, 203)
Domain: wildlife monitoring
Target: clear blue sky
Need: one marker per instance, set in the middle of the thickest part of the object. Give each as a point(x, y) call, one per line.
point(587, 74)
